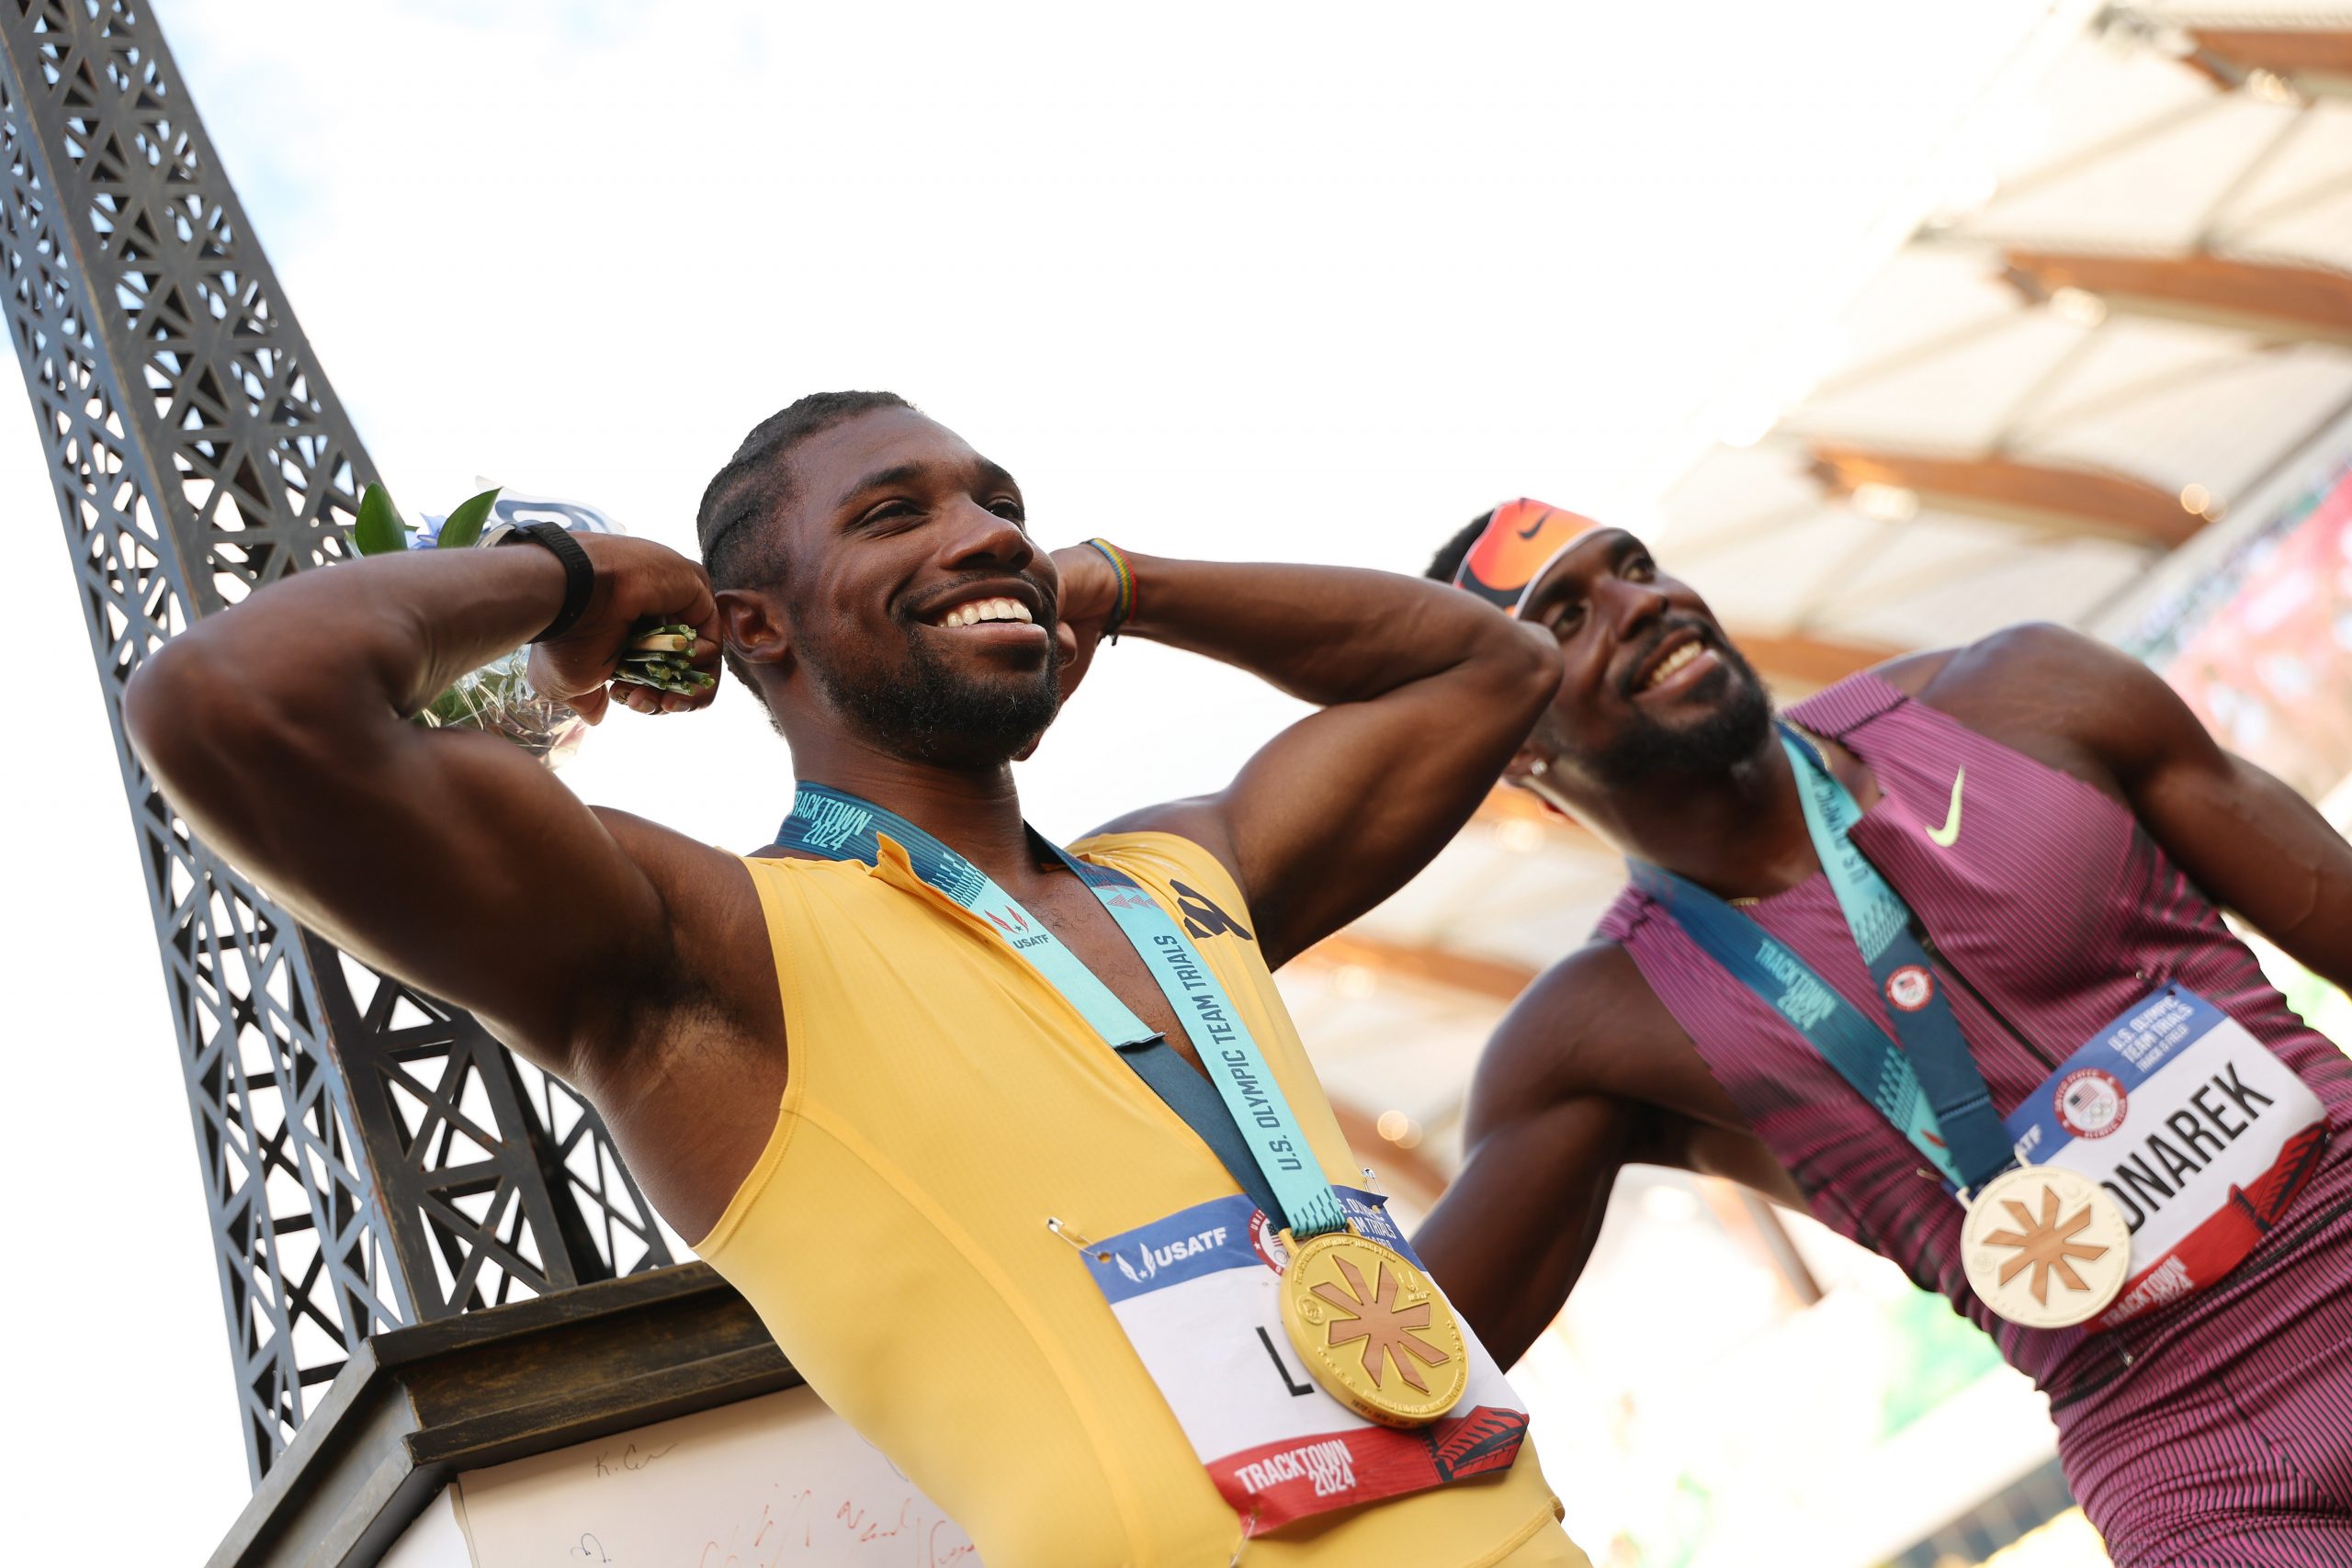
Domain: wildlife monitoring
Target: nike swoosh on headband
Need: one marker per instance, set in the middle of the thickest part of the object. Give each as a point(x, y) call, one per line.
point(1948, 835)
point(1519, 545)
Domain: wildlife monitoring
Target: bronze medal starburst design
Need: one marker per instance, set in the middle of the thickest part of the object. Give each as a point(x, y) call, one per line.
point(1385, 1329)
point(2046, 1245)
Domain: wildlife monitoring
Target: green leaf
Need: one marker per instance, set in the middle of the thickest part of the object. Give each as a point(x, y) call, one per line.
point(379, 530)
point(463, 526)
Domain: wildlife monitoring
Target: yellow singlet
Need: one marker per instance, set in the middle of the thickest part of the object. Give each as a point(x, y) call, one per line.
point(943, 1100)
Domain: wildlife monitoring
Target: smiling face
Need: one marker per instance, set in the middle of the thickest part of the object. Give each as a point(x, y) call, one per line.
point(1652, 689)
point(916, 612)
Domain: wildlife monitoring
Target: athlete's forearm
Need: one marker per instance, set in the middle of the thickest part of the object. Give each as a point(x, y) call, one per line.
point(1328, 635)
point(308, 680)
point(278, 729)
point(368, 642)
point(1513, 1233)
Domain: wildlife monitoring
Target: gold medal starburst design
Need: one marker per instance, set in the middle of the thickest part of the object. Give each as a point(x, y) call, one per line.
point(2045, 1245)
point(1373, 1329)
point(1385, 1329)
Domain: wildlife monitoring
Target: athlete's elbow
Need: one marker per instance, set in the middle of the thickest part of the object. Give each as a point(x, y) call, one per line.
point(1521, 665)
point(164, 709)
point(202, 730)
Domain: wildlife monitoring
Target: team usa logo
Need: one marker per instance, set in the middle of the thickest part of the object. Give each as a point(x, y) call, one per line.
point(2090, 1103)
point(1910, 987)
point(1268, 1240)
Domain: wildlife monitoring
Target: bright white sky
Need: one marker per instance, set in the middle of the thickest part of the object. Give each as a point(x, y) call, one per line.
point(1316, 282)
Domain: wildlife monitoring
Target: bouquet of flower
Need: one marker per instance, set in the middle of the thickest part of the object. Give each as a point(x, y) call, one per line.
point(498, 696)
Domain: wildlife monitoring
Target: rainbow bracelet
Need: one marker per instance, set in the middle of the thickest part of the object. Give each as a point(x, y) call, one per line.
point(1124, 608)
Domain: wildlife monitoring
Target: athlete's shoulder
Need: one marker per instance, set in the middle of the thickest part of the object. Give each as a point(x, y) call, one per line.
point(2027, 651)
point(2051, 684)
point(1600, 972)
point(1154, 848)
point(2036, 651)
point(1585, 1025)
point(1197, 825)
point(1206, 893)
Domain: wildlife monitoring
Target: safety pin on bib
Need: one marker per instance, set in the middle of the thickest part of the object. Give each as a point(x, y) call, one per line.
point(1069, 1234)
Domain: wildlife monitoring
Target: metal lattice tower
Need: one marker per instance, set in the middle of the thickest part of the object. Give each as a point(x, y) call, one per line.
point(371, 1156)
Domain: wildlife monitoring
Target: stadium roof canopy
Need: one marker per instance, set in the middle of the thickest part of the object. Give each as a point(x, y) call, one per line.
point(2113, 334)
point(2125, 324)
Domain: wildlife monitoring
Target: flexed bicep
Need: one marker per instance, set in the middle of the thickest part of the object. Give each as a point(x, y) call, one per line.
point(1425, 693)
point(450, 858)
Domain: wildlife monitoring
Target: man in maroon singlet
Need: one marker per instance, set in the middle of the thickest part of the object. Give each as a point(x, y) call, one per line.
point(2063, 832)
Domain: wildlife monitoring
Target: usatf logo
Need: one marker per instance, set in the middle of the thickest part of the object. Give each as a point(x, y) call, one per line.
point(1019, 934)
point(2090, 1103)
point(1910, 987)
point(1203, 918)
point(1149, 1260)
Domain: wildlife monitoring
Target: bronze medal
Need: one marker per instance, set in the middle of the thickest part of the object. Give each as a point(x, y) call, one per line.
point(2045, 1248)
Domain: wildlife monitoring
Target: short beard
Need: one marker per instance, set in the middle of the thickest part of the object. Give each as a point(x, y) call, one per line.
point(1731, 733)
point(925, 712)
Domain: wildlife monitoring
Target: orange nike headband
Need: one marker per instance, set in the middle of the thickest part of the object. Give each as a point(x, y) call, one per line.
point(1521, 542)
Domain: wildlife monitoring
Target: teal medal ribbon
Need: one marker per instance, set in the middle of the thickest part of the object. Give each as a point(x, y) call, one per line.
point(1239, 1109)
point(1929, 1089)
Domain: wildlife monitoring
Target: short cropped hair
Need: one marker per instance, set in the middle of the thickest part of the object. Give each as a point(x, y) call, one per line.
point(736, 523)
point(1448, 560)
point(739, 548)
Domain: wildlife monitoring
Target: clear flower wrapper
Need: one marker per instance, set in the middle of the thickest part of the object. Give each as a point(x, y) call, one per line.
point(498, 698)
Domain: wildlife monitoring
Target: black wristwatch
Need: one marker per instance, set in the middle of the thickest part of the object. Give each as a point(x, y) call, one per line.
point(579, 573)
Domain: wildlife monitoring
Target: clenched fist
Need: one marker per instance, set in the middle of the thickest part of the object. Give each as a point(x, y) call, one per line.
point(639, 582)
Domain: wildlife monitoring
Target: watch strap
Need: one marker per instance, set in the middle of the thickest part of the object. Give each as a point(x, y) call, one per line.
point(579, 573)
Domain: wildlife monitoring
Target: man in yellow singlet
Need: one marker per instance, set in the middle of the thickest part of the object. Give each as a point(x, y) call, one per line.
point(853, 1078)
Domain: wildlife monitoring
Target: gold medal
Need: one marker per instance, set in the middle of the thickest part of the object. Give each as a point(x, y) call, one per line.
point(1373, 1329)
point(2045, 1247)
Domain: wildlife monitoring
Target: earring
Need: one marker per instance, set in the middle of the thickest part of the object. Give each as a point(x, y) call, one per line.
point(1538, 768)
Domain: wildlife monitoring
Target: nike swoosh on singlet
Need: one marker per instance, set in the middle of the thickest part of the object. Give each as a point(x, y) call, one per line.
point(1948, 835)
point(1536, 527)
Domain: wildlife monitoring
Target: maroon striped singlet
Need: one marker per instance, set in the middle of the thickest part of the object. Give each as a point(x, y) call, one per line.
point(2215, 1430)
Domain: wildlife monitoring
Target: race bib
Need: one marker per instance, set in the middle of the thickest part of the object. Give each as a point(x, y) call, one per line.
point(2201, 1135)
point(1196, 1293)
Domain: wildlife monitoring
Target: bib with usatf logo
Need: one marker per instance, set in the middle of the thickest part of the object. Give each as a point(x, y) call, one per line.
point(1200, 1294)
point(1372, 1331)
